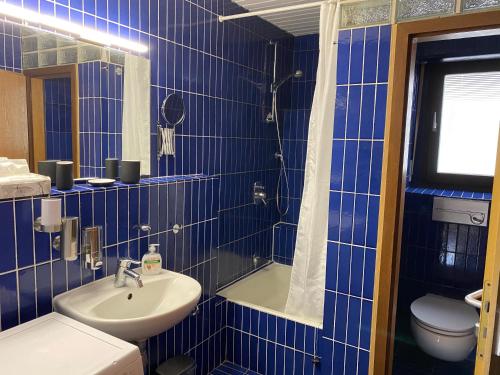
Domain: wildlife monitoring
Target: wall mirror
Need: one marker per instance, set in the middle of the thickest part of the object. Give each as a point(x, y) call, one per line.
point(173, 110)
point(63, 99)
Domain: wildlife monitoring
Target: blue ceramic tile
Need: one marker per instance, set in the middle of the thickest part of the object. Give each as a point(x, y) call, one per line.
point(353, 321)
point(334, 216)
point(357, 269)
point(384, 51)
point(371, 55)
point(332, 262)
point(369, 273)
point(343, 56)
point(363, 168)
point(351, 360)
point(344, 268)
point(350, 161)
point(353, 112)
point(367, 112)
point(376, 167)
point(44, 292)
point(341, 317)
point(366, 315)
point(24, 232)
point(339, 358)
point(371, 232)
point(337, 164)
point(346, 217)
point(27, 297)
point(380, 107)
point(329, 314)
point(356, 63)
point(7, 237)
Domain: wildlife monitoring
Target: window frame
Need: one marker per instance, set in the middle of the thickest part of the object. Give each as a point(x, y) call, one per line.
point(424, 165)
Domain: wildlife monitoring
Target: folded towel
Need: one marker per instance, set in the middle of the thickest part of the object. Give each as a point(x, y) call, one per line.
point(13, 167)
point(167, 139)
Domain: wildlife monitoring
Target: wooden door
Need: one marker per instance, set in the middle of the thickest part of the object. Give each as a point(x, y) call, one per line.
point(486, 362)
point(38, 121)
point(392, 195)
point(14, 141)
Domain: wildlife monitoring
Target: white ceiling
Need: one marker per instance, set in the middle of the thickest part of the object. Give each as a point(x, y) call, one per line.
point(296, 22)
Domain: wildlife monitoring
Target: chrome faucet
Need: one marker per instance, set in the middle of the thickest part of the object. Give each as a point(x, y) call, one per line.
point(124, 271)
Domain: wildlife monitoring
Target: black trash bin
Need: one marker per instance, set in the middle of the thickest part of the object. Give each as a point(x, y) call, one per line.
point(178, 365)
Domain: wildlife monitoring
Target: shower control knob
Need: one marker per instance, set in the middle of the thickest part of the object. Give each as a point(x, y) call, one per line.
point(259, 193)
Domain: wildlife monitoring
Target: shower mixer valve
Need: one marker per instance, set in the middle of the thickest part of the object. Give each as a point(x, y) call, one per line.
point(259, 193)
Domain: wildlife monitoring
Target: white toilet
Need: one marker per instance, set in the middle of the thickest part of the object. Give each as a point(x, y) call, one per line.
point(443, 327)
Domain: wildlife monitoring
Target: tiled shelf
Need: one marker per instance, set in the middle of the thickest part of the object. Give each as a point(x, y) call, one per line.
point(449, 193)
point(79, 188)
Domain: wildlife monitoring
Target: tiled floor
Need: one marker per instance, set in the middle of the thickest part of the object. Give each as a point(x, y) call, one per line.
point(228, 368)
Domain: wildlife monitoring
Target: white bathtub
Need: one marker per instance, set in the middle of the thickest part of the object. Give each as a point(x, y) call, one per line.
point(266, 290)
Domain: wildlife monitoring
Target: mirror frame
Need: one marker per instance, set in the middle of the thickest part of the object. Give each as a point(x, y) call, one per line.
point(163, 104)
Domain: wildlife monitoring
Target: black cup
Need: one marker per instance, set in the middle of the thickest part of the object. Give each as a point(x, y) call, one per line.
point(64, 175)
point(48, 168)
point(111, 168)
point(130, 171)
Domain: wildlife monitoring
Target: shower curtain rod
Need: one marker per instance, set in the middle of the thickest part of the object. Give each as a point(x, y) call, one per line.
point(284, 9)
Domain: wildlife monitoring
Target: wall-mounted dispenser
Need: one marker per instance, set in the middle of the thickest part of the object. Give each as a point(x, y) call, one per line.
point(50, 222)
point(92, 247)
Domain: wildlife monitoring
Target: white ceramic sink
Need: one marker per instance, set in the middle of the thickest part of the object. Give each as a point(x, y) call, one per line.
point(131, 313)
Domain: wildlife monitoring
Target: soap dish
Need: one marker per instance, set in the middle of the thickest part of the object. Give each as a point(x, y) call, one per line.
point(101, 182)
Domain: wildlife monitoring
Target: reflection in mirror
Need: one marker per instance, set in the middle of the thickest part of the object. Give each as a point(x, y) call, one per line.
point(57, 108)
point(62, 99)
point(172, 109)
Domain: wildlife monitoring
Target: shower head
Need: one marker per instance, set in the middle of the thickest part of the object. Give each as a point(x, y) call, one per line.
point(297, 74)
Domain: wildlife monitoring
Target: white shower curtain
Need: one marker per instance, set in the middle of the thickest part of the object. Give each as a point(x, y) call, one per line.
point(307, 284)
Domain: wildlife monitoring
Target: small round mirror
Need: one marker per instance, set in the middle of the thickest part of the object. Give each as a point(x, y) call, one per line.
point(172, 109)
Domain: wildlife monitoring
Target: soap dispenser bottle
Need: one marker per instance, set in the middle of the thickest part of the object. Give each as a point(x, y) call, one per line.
point(151, 261)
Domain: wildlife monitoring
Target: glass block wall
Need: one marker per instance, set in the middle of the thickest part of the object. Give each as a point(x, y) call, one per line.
point(375, 12)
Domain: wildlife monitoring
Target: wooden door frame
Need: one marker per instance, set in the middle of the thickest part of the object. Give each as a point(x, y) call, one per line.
point(394, 177)
point(59, 71)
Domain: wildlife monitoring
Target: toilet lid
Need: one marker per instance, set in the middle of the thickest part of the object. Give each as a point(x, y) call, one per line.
point(445, 314)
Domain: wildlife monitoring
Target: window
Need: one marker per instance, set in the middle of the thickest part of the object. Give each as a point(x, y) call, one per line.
point(457, 125)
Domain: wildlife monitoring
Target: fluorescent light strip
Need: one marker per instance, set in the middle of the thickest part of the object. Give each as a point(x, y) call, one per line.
point(31, 18)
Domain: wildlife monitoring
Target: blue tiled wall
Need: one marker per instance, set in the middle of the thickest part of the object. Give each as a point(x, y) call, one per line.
point(437, 257)
point(363, 58)
point(295, 119)
point(58, 134)
point(268, 344)
point(10, 47)
point(31, 273)
point(101, 107)
point(223, 73)
point(442, 258)
point(342, 345)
